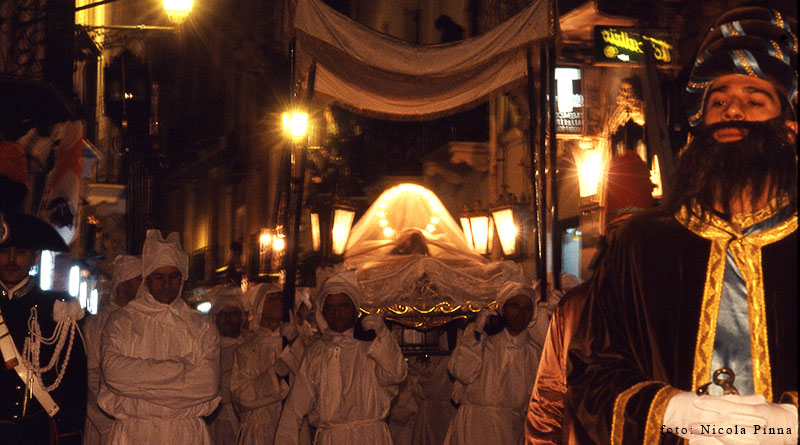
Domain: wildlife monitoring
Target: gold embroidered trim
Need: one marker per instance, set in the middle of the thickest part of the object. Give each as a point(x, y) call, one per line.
point(774, 234)
point(744, 220)
point(747, 254)
point(789, 397)
point(777, 48)
point(778, 19)
point(697, 115)
point(707, 326)
point(712, 226)
point(745, 63)
point(700, 85)
point(655, 416)
point(618, 421)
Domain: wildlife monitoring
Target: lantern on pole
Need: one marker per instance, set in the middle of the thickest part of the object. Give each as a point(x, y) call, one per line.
point(330, 229)
point(478, 230)
point(509, 226)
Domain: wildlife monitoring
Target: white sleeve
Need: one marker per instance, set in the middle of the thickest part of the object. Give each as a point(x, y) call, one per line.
point(299, 403)
point(466, 360)
point(173, 383)
point(202, 377)
point(391, 367)
point(293, 353)
point(92, 333)
point(254, 382)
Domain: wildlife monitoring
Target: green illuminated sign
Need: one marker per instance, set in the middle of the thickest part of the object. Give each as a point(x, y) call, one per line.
point(614, 44)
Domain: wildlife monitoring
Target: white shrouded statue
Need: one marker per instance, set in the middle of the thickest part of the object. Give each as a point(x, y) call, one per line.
point(407, 242)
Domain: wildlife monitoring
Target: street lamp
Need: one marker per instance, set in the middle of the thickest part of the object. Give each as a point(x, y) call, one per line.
point(177, 10)
point(295, 124)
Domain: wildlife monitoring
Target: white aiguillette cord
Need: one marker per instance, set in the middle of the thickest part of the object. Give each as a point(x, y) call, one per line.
point(32, 384)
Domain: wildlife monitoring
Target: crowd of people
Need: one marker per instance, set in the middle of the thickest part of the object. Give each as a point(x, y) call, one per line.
point(687, 330)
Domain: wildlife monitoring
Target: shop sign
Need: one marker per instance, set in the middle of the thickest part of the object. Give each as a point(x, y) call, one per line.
point(613, 44)
point(569, 101)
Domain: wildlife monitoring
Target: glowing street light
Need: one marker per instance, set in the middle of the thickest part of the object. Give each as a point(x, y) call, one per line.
point(590, 170)
point(295, 124)
point(177, 10)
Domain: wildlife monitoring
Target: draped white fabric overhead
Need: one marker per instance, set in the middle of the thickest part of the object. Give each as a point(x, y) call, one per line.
point(378, 75)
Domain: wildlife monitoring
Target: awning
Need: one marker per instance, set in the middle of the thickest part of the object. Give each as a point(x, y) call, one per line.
point(380, 76)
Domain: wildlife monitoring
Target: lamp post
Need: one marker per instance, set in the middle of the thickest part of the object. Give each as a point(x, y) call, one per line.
point(295, 126)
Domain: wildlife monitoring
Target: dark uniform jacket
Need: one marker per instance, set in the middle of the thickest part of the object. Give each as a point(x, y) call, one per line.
point(35, 426)
point(644, 333)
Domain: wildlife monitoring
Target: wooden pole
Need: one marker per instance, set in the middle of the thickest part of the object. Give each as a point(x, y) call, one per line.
point(532, 144)
point(551, 79)
point(541, 162)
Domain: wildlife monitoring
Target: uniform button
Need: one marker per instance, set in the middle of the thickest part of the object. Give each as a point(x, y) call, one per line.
point(19, 387)
point(15, 416)
point(16, 403)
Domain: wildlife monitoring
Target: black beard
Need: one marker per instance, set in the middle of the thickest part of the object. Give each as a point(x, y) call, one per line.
point(711, 172)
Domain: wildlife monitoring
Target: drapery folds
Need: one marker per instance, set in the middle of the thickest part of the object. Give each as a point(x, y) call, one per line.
point(379, 76)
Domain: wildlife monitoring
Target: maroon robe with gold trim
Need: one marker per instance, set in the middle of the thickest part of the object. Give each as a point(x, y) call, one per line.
point(647, 329)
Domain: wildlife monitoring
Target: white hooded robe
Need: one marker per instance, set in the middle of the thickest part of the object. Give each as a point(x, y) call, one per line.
point(344, 385)
point(494, 378)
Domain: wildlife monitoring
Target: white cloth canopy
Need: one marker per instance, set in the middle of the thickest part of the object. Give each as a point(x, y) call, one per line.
point(390, 269)
point(379, 75)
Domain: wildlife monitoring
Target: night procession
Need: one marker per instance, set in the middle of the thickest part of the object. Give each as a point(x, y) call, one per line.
point(398, 222)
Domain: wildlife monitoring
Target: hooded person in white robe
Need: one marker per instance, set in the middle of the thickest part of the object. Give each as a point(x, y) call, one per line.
point(344, 385)
point(435, 411)
point(127, 276)
point(160, 358)
point(227, 311)
point(257, 384)
point(300, 332)
point(495, 373)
